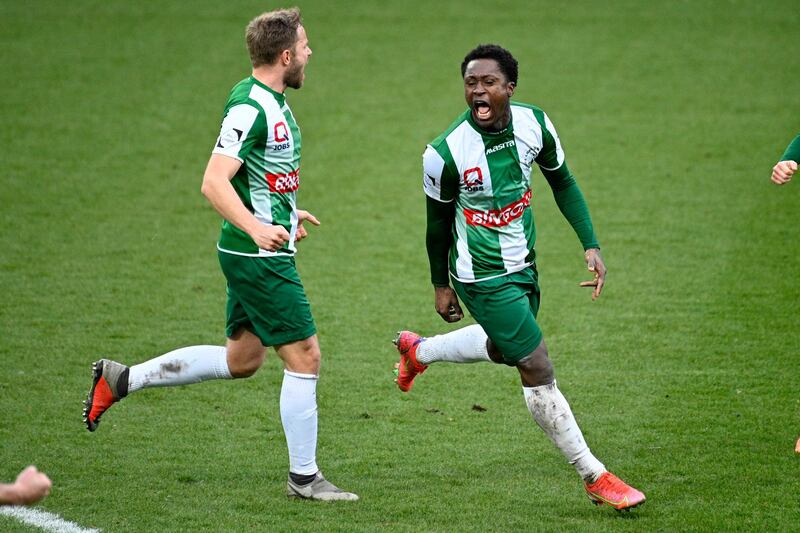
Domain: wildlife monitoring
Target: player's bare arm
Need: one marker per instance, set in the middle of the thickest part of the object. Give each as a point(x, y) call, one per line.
point(447, 305)
point(595, 265)
point(220, 193)
point(302, 216)
point(783, 171)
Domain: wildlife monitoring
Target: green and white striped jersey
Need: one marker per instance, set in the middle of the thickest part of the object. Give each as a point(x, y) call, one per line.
point(488, 175)
point(259, 130)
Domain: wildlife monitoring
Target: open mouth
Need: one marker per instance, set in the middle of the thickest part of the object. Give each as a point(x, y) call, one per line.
point(482, 109)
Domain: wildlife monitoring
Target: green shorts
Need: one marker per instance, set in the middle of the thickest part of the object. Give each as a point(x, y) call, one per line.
point(266, 297)
point(506, 308)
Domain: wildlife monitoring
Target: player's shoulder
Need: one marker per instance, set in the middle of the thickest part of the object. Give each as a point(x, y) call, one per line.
point(250, 92)
point(441, 140)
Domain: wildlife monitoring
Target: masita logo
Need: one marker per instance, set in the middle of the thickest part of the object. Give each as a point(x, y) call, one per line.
point(473, 179)
point(498, 147)
point(495, 218)
point(284, 183)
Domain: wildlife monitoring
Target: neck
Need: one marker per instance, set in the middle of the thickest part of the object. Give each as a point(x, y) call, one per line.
point(270, 76)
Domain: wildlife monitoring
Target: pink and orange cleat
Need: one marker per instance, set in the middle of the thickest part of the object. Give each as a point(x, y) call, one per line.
point(109, 385)
point(613, 491)
point(408, 368)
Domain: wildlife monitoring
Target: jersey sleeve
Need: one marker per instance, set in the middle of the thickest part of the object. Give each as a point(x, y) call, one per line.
point(792, 152)
point(551, 157)
point(240, 130)
point(438, 178)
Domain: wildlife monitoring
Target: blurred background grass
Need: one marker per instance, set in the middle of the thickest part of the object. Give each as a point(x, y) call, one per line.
point(684, 375)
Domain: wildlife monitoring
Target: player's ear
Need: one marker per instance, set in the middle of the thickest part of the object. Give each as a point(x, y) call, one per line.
point(510, 88)
point(286, 57)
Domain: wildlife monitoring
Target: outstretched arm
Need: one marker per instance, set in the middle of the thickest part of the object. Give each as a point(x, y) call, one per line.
point(572, 204)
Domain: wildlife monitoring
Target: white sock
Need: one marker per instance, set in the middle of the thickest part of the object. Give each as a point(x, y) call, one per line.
point(465, 345)
point(299, 417)
point(183, 366)
point(551, 411)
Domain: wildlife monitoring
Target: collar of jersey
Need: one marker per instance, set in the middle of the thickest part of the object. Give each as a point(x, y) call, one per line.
point(280, 97)
point(502, 133)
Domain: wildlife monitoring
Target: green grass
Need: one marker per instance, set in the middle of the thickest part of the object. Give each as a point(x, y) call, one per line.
point(683, 376)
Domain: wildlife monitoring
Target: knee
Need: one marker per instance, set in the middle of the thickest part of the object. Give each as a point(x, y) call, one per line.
point(536, 369)
point(494, 353)
point(245, 365)
point(311, 360)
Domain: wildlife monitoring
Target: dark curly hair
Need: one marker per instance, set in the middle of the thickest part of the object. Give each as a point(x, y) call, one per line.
point(508, 65)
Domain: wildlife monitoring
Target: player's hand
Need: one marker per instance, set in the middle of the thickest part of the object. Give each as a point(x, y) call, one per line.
point(783, 171)
point(270, 237)
point(447, 304)
point(594, 262)
point(302, 216)
point(31, 486)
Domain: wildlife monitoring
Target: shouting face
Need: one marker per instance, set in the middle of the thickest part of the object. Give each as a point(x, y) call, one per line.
point(296, 72)
point(488, 91)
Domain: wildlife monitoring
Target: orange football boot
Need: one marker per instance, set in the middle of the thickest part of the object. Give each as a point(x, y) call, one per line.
point(408, 368)
point(612, 490)
point(109, 385)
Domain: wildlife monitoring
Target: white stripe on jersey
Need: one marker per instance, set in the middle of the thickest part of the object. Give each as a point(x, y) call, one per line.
point(234, 130)
point(464, 270)
point(559, 150)
point(432, 167)
point(528, 137)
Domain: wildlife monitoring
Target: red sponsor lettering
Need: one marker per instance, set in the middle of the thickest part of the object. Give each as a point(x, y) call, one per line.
point(495, 218)
point(283, 183)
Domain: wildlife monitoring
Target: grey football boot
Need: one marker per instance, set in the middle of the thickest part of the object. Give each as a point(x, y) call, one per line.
point(319, 489)
point(109, 385)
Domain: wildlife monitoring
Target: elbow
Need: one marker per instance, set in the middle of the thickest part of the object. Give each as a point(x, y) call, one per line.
point(205, 188)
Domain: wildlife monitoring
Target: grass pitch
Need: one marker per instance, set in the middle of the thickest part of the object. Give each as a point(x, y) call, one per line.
point(683, 376)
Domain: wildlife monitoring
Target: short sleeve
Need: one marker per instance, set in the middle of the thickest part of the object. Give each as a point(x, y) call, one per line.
point(239, 131)
point(436, 180)
point(552, 155)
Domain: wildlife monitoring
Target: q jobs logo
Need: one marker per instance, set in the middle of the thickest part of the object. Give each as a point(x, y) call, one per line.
point(473, 179)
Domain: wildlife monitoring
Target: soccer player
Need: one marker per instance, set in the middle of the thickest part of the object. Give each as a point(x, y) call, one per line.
point(251, 180)
point(782, 173)
point(480, 235)
point(30, 487)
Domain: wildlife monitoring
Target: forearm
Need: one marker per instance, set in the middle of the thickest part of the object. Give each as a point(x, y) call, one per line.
point(792, 151)
point(222, 196)
point(572, 205)
point(438, 239)
point(9, 495)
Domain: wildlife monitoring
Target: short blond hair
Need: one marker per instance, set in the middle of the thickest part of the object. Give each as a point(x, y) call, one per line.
point(269, 34)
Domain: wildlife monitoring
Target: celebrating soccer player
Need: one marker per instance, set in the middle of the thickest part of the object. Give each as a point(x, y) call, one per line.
point(480, 235)
point(251, 180)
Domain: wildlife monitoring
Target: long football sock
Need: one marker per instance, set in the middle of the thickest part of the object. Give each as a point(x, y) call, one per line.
point(299, 418)
point(551, 411)
point(465, 345)
point(183, 366)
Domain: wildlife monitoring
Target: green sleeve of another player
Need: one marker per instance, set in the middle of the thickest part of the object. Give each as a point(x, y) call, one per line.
point(792, 152)
point(438, 239)
point(570, 201)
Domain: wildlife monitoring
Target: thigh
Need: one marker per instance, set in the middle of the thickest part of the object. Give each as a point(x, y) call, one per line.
point(506, 309)
point(268, 298)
